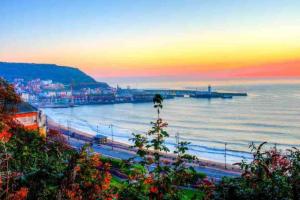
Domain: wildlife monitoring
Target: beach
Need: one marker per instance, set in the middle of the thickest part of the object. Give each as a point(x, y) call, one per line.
point(269, 114)
point(119, 150)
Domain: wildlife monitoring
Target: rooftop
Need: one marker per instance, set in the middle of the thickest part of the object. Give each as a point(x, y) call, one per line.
point(24, 107)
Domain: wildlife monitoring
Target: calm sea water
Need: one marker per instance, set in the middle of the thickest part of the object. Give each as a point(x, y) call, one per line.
point(270, 113)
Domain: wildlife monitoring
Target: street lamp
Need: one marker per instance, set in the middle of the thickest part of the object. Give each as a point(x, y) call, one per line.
point(69, 132)
point(177, 141)
point(112, 136)
point(225, 155)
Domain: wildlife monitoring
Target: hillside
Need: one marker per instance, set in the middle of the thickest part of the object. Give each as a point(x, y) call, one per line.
point(62, 74)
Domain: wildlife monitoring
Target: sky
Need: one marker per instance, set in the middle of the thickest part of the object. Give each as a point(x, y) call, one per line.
point(174, 39)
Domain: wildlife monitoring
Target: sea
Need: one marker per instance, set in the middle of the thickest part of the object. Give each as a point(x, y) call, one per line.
point(270, 113)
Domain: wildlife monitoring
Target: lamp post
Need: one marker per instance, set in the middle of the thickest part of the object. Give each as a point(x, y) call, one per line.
point(177, 140)
point(59, 126)
point(69, 132)
point(112, 136)
point(225, 155)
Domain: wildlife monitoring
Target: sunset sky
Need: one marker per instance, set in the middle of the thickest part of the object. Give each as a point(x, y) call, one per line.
point(171, 38)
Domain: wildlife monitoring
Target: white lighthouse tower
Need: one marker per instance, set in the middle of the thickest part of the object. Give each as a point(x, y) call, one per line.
point(209, 89)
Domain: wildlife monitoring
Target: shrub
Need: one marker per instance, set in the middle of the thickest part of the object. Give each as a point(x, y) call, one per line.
point(272, 175)
point(157, 177)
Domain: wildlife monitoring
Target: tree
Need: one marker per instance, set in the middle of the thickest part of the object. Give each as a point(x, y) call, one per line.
point(163, 177)
point(35, 167)
point(8, 100)
point(86, 177)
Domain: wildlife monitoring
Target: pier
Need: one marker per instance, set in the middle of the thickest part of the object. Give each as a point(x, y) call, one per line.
point(197, 93)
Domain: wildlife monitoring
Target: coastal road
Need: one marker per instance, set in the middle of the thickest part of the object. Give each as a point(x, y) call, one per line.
point(120, 153)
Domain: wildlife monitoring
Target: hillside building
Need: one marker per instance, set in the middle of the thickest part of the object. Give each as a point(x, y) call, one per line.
point(31, 118)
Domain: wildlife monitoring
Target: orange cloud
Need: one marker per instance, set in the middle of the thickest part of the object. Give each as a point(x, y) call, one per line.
point(281, 70)
point(277, 70)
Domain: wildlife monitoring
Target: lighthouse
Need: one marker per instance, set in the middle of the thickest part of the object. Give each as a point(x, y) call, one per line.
point(209, 89)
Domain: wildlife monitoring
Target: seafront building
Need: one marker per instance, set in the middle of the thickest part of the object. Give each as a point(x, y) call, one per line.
point(31, 118)
point(49, 94)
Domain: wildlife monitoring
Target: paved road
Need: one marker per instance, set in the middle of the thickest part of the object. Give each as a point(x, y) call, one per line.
point(119, 153)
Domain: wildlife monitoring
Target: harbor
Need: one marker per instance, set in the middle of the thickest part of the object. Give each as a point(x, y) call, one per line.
point(129, 96)
point(207, 123)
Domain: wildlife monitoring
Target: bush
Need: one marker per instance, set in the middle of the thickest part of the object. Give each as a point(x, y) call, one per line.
point(272, 175)
point(35, 167)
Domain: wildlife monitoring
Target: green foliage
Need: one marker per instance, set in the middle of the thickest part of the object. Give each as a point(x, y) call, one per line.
point(86, 177)
point(8, 102)
point(50, 169)
point(40, 162)
point(117, 163)
point(35, 167)
point(191, 194)
point(272, 175)
point(116, 182)
point(47, 168)
point(158, 177)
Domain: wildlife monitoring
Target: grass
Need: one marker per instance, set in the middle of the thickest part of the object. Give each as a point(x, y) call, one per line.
point(116, 182)
point(189, 194)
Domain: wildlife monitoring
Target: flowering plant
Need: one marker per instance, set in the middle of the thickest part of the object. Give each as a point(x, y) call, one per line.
point(162, 177)
point(272, 174)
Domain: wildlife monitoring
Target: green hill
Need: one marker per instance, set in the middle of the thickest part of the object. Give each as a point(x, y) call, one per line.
point(62, 74)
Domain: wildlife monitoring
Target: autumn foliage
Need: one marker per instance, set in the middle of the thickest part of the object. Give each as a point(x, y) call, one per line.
point(87, 177)
point(156, 177)
point(272, 174)
point(34, 167)
point(8, 101)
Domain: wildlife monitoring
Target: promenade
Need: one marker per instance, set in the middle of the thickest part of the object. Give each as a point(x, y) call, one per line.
point(123, 151)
